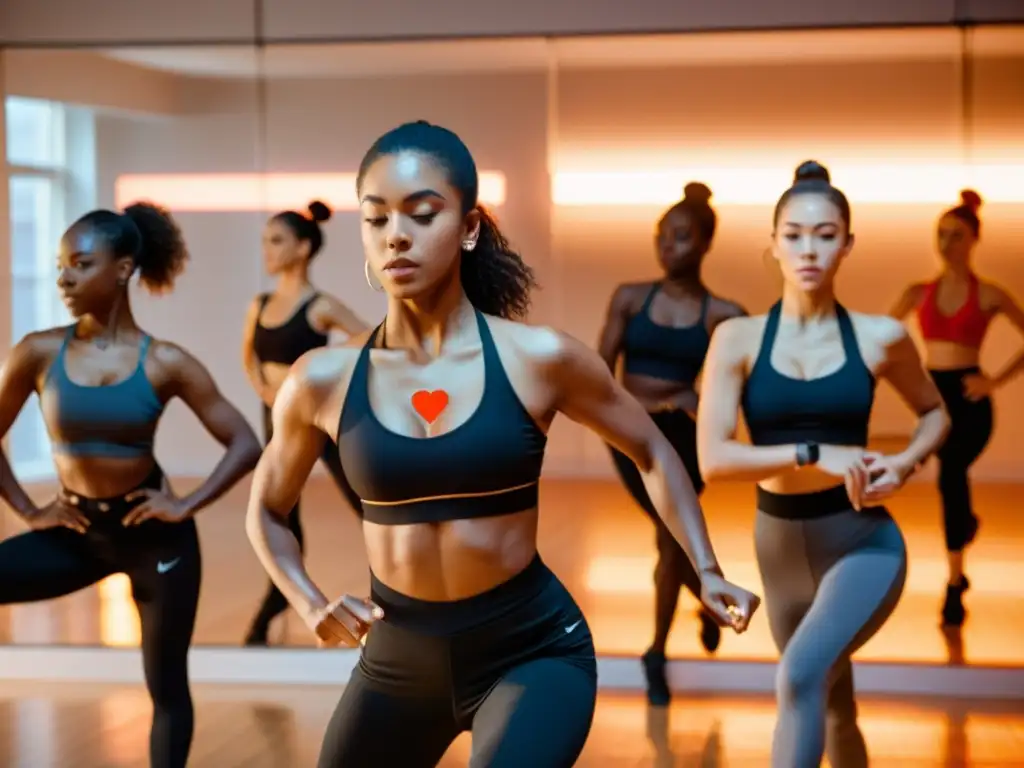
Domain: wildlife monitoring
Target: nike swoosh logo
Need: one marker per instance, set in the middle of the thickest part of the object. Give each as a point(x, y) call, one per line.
point(571, 627)
point(162, 567)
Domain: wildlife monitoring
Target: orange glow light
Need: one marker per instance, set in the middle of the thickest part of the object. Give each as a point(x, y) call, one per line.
point(119, 619)
point(243, 192)
point(930, 183)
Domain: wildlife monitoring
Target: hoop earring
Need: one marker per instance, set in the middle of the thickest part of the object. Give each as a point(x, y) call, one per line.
point(369, 280)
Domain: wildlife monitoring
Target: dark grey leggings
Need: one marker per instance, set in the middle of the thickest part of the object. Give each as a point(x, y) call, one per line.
point(832, 576)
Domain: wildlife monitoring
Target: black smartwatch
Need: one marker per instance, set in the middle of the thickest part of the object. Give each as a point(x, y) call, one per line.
point(807, 454)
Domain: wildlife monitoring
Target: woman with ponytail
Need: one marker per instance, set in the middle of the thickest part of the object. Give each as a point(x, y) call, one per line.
point(954, 311)
point(440, 415)
point(103, 384)
point(280, 327)
point(661, 330)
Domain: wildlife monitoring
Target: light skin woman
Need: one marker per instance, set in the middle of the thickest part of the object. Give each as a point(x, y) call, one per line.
point(280, 327)
point(832, 561)
point(954, 312)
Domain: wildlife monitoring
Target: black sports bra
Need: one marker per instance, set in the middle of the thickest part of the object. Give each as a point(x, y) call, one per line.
point(488, 466)
point(833, 409)
point(286, 343)
point(665, 352)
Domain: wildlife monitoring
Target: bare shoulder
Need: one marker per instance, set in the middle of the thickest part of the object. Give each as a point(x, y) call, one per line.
point(721, 309)
point(45, 343)
point(531, 343)
point(878, 331)
point(37, 349)
point(992, 296)
point(628, 297)
point(739, 333)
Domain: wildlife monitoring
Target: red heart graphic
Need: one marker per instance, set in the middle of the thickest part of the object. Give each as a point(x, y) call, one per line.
point(430, 404)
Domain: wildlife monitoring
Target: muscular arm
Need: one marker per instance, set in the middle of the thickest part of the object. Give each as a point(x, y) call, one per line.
point(196, 388)
point(588, 394)
point(17, 383)
point(1015, 315)
point(721, 455)
point(610, 344)
point(905, 372)
point(282, 471)
point(250, 362)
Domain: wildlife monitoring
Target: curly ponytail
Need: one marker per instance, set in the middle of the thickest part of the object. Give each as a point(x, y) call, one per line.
point(493, 274)
point(149, 235)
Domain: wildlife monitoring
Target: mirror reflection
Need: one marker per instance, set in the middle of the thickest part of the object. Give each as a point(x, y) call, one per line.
point(583, 146)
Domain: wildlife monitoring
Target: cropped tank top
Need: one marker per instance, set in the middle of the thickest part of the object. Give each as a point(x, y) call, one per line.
point(832, 409)
point(967, 326)
point(488, 466)
point(664, 352)
point(113, 421)
point(286, 343)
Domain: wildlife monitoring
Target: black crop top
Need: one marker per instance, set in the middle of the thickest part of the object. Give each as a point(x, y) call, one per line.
point(286, 343)
point(832, 410)
point(665, 352)
point(488, 466)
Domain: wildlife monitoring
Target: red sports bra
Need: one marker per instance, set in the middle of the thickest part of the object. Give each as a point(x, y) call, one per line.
point(966, 326)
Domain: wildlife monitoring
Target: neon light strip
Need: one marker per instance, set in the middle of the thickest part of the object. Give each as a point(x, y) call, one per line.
point(864, 183)
point(241, 192)
point(923, 183)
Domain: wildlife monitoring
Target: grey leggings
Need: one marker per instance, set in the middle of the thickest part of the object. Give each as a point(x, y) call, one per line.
point(832, 576)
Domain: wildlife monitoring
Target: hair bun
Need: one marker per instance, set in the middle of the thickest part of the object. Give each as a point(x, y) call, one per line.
point(697, 191)
point(970, 199)
point(319, 211)
point(811, 170)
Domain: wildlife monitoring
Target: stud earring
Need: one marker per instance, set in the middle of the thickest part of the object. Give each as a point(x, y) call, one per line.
point(369, 281)
point(468, 245)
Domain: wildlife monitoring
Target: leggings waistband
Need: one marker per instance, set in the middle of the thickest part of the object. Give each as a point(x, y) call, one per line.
point(113, 504)
point(436, 617)
point(804, 506)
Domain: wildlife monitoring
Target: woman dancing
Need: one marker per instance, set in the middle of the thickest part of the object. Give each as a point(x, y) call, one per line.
point(662, 331)
point(281, 327)
point(954, 311)
point(833, 563)
point(103, 384)
point(440, 415)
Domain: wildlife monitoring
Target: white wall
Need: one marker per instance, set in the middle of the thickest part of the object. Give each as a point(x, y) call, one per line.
point(784, 112)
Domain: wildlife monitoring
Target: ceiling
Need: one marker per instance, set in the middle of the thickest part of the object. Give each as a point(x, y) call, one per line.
point(531, 54)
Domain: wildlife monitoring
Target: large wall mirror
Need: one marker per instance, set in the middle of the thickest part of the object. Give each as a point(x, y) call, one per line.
point(581, 143)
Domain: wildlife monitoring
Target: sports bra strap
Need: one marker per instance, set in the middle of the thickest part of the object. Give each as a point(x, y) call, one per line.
point(144, 349)
point(650, 298)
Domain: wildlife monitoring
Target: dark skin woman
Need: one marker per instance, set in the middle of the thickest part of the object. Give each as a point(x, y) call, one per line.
point(280, 327)
point(450, 495)
point(954, 312)
point(103, 384)
point(662, 331)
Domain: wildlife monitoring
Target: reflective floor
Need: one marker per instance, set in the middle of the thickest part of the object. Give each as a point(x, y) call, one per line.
point(602, 548)
point(49, 726)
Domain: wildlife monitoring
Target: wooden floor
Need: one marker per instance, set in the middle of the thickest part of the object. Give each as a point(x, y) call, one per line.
point(107, 727)
point(602, 548)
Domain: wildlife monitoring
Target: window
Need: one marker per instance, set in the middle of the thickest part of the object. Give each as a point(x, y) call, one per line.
point(50, 153)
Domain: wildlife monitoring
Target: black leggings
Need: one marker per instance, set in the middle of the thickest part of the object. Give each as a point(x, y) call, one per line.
point(970, 431)
point(514, 665)
point(674, 569)
point(274, 602)
point(163, 562)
